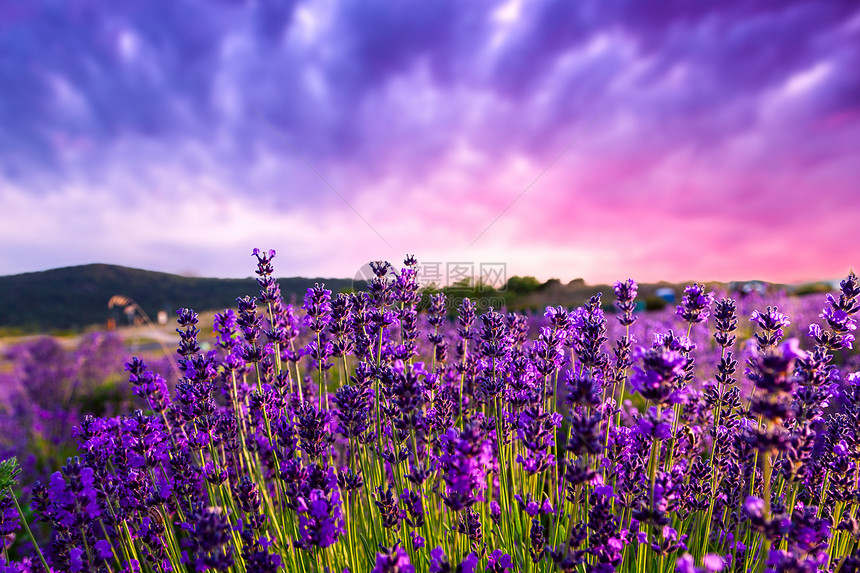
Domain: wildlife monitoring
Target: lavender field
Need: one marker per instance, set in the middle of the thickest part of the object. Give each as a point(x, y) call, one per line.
point(358, 434)
point(46, 388)
point(626, 342)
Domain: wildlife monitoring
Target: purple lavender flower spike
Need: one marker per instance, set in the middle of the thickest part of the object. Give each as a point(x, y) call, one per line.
point(654, 379)
point(588, 333)
point(208, 543)
point(711, 563)
point(317, 306)
point(725, 322)
point(10, 520)
point(695, 304)
point(439, 563)
point(656, 425)
point(264, 261)
point(499, 561)
point(321, 524)
point(771, 322)
point(771, 369)
point(394, 560)
point(625, 293)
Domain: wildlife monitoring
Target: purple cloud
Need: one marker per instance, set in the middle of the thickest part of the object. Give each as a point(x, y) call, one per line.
point(739, 119)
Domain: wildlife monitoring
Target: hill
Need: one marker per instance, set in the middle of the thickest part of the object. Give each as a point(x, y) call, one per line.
point(73, 298)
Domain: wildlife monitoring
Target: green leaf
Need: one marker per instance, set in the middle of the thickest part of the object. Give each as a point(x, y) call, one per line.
point(9, 471)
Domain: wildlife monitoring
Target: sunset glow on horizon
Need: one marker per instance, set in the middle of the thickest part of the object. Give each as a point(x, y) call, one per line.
point(601, 140)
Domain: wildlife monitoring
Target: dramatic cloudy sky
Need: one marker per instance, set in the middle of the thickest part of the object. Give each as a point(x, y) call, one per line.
point(598, 139)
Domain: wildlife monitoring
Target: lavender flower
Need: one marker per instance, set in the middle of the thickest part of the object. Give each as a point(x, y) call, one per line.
point(439, 563)
point(317, 307)
point(208, 539)
point(656, 424)
point(320, 520)
point(654, 379)
point(499, 561)
point(10, 519)
point(394, 560)
point(538, 540)
point(771, 322)
point(588, 333)
point(237, 467)
point(695, 304)
point(771, 369)
point(188, 333)
point(466, 318)
point(536, 431)
point(353, 403)
point(469, 524)
point(582, 389)
point(725, 322)
point(389, 512)
point(625, 293)
point(465, 459)
point(710, 564)
point(313, 429)
point(249, 321)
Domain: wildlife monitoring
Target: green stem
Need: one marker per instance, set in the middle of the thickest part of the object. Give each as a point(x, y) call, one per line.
point(27, 528)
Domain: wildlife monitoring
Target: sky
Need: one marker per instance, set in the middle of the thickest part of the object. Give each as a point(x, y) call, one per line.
point(602, 139)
